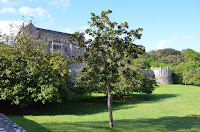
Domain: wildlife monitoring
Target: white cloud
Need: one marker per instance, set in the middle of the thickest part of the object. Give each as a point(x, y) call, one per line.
point(33, 11)
point(72, 30)
point(5, 26)
point(4, 1)
point(84, 27)
point(188, 37)
point(8, 10)
point(68, 30)
point(162, 43)
point(80, 29)
point(59, 3)
point(9, 3)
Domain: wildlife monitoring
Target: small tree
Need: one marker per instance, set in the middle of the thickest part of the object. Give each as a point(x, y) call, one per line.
point(110, 44)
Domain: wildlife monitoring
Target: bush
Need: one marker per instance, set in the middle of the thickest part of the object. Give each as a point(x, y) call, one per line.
point(28, 73)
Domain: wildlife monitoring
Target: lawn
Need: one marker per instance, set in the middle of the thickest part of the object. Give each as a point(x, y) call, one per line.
point(176, 108)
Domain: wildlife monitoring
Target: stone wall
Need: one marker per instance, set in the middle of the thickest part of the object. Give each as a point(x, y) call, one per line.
point(163, 75)
point(149, 73)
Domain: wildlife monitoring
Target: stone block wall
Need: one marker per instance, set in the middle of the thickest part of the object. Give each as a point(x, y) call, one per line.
point(163, 75)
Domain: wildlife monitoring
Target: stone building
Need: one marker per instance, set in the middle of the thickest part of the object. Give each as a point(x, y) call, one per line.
point(58, 41)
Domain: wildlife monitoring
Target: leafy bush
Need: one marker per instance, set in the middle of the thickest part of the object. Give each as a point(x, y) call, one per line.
point(28, 73)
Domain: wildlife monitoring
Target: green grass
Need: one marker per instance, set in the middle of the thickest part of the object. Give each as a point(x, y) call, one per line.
point(176, 108)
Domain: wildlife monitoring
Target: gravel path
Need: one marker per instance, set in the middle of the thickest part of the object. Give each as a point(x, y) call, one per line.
point(6, 125)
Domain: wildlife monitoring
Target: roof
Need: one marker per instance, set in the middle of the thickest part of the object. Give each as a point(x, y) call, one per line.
point(53, 32)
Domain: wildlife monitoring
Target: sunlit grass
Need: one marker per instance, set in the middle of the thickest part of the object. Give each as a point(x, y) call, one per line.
point(176, 108)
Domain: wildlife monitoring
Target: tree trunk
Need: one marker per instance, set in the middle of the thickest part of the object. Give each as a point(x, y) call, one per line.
point(109, 105)
point(185, 82)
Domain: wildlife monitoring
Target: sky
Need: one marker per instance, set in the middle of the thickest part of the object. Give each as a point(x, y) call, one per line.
point(166, 23)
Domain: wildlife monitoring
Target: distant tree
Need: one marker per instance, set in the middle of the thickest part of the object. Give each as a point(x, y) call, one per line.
point(186, 71)
point(174, 59)
point(145, 60)
point(160, 55)
point(110, 44)
point(168, 57)
point(164, 52)
point(190, 53)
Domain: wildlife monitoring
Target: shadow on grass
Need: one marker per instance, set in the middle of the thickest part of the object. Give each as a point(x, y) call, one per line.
point(28, 125)
point(91, 105)
point(163, 124)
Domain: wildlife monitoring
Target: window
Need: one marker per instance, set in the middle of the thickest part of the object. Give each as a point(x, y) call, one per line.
point(56, 47)
point(65, 50)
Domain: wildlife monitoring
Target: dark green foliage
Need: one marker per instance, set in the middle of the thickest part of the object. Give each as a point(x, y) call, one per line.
point(174, 59)
point(164, 53)
point(28, 73)
point(132, 79)
point(168, 56)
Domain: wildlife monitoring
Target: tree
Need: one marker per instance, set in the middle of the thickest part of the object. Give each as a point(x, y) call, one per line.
point(145, 60)
point(190, 53)
point(164, 52)
point(186, 71)
point(110, 44)
point(175, 59)
point(29, 74)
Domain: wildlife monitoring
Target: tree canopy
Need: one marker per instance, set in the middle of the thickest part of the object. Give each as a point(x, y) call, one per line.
point(190, 53)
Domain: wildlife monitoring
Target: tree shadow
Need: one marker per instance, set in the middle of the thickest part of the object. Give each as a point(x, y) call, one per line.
point(163, 124)
point(99, 104)
point(87, 106)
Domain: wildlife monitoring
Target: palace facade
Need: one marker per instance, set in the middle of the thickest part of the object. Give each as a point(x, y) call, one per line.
point(56, 41)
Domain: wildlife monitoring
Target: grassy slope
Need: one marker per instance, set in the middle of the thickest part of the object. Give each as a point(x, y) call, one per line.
point(174, 109)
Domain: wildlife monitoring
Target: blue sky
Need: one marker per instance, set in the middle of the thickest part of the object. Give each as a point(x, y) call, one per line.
point(166, 23)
